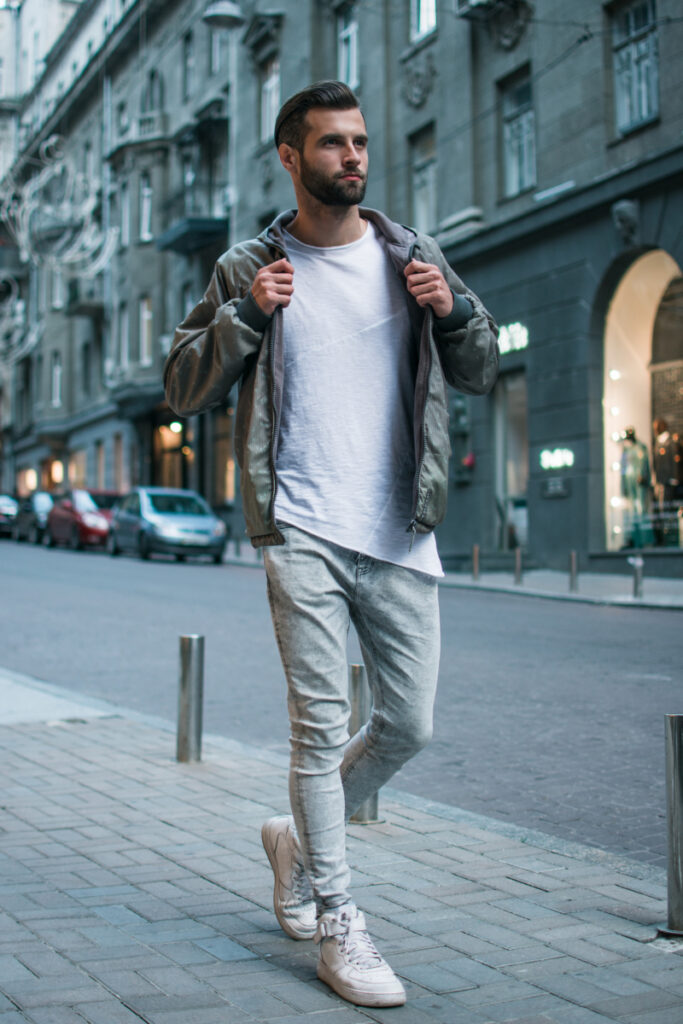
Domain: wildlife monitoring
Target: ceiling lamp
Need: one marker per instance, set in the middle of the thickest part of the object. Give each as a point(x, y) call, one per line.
point(223, 14)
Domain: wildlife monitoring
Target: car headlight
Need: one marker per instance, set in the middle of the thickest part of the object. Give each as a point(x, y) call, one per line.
point(95, 522)
point(219, 528)
point(165, 530)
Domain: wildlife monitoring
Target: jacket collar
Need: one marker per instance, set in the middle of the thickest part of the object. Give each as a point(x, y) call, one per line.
point(399, 240)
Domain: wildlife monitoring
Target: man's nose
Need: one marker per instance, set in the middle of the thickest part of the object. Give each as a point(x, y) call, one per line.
point(351, 155)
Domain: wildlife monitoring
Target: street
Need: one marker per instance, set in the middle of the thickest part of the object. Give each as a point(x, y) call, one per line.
point(549, 714)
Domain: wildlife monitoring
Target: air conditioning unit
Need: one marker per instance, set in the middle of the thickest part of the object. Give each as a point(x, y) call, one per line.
point(474, 9)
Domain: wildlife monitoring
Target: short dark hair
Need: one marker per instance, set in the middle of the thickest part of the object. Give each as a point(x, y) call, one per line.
point(290, 127)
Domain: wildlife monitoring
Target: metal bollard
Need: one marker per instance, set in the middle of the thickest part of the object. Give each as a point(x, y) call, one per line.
point(475, 562)
point(361, 706)
point(637, 562)
point(518, 566)
point(573, 573)
point(190, 699)
point(674, 802)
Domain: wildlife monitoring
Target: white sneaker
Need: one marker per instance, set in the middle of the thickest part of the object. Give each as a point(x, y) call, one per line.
point(292, 896)
point(350, 964)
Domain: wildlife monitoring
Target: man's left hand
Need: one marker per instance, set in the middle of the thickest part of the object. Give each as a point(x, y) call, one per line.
point(428, 287)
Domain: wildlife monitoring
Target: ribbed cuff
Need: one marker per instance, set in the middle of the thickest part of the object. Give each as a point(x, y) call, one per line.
point(251, 314)
point(462, 312)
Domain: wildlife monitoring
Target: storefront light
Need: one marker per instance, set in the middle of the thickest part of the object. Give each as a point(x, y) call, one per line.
point(176, 427)
point(614, 411)
point(616, 467)
point(616, 436)
point(556, 458)
point(57, 472)
point(31, 479)
point(615, 502)
point(513, 338)
point(614, 375)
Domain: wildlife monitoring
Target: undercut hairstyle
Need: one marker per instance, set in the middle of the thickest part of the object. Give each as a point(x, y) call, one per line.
point(290, 125)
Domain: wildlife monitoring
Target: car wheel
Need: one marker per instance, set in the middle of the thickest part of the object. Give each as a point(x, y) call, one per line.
point(180, 558)
point(112, 546)
point(48, 539)
point(218, 559)
point(143, 546)
point(75, 542)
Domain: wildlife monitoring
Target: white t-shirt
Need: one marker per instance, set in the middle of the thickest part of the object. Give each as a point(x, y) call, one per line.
point(345, 454)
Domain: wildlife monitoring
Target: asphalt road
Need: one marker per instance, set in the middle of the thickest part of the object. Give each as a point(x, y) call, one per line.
point(549, 714)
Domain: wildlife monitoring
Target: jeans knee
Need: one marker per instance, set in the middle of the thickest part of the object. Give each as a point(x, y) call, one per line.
point(402, 740)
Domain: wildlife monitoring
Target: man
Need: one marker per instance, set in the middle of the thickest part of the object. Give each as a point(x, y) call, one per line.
point(341, 327)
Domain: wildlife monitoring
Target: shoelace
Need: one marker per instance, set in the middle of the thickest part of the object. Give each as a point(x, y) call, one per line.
point(357, 945)
point(301, 887)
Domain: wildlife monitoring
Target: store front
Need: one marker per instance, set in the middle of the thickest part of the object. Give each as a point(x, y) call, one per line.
point(643, 407)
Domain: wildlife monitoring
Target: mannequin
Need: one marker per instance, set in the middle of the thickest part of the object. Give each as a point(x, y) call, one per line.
point(635, 488)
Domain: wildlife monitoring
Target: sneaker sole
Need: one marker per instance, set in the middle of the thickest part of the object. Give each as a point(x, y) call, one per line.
point(286, 926)
point(352, 995)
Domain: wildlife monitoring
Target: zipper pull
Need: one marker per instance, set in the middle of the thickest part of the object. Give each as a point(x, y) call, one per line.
point(412, 529)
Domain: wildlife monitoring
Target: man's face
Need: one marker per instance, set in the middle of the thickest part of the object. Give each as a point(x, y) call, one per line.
point(333, 166)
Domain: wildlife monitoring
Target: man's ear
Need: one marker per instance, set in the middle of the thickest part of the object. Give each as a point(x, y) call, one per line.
point(289, 158)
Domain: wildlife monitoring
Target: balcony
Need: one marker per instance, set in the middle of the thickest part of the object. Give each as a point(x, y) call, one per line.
point(195, 217)
point(148, 128)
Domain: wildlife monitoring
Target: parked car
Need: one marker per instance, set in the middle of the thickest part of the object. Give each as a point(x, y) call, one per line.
point(166, 520)
point(32, 517)
point(8, 512)
point(80, 519)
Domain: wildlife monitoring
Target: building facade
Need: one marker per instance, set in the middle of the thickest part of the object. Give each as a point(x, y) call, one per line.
point(542, 148)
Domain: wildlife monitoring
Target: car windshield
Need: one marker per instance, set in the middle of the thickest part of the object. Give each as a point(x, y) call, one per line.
point(83, 502)
point(42, 502)
point(178, 505)
point(104, 500)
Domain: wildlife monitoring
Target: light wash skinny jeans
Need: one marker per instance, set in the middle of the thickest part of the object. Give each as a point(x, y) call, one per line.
point(315, 590)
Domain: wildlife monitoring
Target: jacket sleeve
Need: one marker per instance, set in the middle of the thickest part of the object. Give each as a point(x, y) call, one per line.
point(213, 346)
point(469, 353)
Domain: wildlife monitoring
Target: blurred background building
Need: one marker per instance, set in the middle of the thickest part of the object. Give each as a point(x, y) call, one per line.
point(541, 143)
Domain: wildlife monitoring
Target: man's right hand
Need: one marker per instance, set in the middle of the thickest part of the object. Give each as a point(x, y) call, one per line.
point(273, 286)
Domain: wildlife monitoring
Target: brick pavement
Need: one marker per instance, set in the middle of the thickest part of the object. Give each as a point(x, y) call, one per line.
point(136, 889)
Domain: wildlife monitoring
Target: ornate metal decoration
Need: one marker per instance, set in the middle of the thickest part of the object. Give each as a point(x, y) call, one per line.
point(53, 216)
point(419, 76)
point(626, 219)
point(11, 306)
point(508, 23)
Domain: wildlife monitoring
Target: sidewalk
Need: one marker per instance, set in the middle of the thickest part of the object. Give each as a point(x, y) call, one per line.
point(134, 889)
point(593, 587)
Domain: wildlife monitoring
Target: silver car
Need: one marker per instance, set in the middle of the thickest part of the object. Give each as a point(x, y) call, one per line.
point(167, 520)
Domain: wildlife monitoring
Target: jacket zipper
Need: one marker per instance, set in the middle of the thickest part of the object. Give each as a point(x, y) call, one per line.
point(276, 398)
point(422, 375)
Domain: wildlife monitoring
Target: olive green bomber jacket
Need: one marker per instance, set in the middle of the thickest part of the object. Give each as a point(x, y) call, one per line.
point(225, 340)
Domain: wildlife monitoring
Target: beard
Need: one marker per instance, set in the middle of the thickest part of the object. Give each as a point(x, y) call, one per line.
point(332, 191)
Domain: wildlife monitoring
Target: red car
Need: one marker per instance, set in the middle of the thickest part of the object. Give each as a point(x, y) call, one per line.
point(80, 519)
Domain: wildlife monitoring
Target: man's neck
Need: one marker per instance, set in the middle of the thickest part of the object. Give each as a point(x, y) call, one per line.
point(326, 226)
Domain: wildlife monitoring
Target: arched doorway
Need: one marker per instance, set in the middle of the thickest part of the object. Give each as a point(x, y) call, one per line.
point(632, 392)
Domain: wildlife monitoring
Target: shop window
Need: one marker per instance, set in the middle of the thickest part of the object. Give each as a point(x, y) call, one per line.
point(518, 135)
point(643, 407)
point(347, 47)
point(512, 460)
point(100, 465)
point(422, 18)
point(423, 179)
point(270, 98)
point(636, 65)
point(77, 470)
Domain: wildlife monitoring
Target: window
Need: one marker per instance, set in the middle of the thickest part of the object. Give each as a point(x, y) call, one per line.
point(422, 18)
point(86, 368)
point(100, 464)
point(270, 98)
point(57, 288)
point(347, 48)
point(215, 50)
point(122, 123)
point(152, 99)
point(56, 380)
point(146, 332)
point(636, 65)
point(124, 336)
point(145, 207)
point(518, 136)
point(423, 169)
point(188, 65)
point(124, 193)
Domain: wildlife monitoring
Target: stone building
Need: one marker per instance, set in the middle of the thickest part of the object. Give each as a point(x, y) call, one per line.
point(541, 145)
